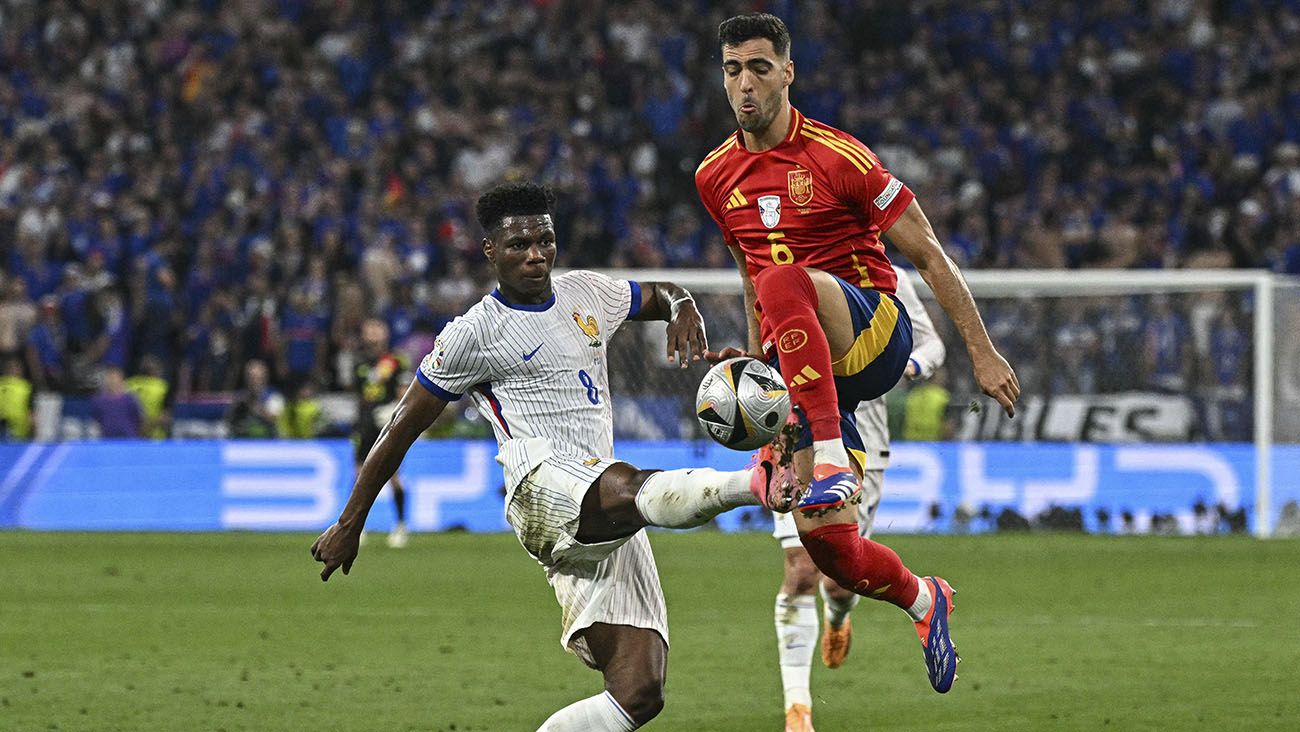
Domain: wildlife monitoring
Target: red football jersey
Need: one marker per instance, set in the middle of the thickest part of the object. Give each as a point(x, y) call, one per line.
point(819, 199)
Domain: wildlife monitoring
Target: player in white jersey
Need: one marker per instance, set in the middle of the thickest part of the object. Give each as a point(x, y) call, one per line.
point(532, 356)
point(796, 605)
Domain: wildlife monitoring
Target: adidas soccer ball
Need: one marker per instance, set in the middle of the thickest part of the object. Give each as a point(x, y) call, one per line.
point(742, 403)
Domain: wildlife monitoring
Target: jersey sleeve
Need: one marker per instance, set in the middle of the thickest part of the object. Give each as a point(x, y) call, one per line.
point(455, 364)
point(928, 351)
point(705, 191)
point(618, 300)
point(878, 194)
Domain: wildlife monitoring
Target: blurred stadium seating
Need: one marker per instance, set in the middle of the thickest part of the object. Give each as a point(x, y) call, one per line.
point(201, 184)
point(204, 181)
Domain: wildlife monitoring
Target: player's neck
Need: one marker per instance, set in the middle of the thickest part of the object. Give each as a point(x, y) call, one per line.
point(772, 136)
point(512, 297)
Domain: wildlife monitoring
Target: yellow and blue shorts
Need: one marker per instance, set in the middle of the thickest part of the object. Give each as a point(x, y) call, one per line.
point(874, 363)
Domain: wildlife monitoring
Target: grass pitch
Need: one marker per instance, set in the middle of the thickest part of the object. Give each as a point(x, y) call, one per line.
point(459, 632)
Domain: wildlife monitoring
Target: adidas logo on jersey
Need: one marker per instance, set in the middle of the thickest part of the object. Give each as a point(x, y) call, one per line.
point(735, 200)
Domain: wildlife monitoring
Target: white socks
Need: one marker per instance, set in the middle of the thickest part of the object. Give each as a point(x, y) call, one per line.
point(682, 499)
point(836, 609)
point(594, 714)
point(796, 636)
point(831, 451)
point(924, 599)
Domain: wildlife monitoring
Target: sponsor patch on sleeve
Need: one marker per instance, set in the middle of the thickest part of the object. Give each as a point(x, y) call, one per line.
point(887, 196)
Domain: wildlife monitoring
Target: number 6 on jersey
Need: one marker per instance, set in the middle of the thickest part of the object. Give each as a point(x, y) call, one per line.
point(781, 253)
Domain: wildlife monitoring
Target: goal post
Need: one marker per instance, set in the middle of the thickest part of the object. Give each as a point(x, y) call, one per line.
point(1053, 297)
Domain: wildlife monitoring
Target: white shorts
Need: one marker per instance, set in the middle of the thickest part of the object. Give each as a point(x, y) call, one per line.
point(873, 481)
point(614, 582)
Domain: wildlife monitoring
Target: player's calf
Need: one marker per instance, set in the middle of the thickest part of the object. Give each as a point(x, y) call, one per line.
point(683, 499)
point(624, 500)
point(642, 699)
point(633, 662)
point(866, 567)
point(600, 712)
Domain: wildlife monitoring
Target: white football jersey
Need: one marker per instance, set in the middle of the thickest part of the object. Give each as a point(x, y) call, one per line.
point(928, 352)
point(537, 370)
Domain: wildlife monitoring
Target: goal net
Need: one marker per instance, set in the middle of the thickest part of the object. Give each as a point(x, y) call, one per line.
point(1151, 401)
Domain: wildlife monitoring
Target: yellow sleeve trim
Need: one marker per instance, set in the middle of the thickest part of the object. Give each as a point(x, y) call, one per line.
point(832, 146)
point(717, 153)
point(843, 145)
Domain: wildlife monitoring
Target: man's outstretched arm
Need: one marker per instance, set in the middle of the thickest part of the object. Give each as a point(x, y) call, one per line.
point(337, 547)
point(673, 304)
point(914, 237)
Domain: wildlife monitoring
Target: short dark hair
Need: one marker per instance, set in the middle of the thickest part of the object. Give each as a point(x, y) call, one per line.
point(736, 30)
point(512, 199)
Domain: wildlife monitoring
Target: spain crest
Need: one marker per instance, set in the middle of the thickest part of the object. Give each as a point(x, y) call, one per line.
point(801, 186)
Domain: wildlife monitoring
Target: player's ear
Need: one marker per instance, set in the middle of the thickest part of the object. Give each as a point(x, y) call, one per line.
point(788, 72)
point(489, 250)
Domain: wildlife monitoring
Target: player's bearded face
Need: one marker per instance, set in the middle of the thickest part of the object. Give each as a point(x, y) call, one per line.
point(755, 79)
point(522, 250)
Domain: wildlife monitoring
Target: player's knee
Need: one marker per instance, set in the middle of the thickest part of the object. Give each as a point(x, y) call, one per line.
point(642, 698)
point(835, 590)
point(632, 482)
point(801, 575)
point(785, 279)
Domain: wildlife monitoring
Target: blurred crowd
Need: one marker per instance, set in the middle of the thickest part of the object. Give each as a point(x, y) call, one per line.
point(198, 185)
point(1195, 347)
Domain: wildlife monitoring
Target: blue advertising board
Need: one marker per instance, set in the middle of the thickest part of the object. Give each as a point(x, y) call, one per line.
point(302, 485)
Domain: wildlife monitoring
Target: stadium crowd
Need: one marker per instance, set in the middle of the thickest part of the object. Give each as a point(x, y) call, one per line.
point(204, 184)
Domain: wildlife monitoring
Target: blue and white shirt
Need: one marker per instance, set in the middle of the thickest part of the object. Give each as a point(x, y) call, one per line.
point(537, 370)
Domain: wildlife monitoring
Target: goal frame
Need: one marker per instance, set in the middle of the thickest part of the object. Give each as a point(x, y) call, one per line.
point(1049, 282)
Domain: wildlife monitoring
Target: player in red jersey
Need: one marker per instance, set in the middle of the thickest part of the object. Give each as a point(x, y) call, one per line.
point(802, 207)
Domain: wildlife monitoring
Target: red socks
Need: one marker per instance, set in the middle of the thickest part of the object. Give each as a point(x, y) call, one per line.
point(789, 302)
point(864, 566)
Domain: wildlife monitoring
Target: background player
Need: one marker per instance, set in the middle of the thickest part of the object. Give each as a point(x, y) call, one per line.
point(796, 606)
point(533, 355)
point(802, 207)
point(380, 380)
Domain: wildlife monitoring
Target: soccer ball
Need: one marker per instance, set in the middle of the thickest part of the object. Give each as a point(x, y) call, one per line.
point(742, 403)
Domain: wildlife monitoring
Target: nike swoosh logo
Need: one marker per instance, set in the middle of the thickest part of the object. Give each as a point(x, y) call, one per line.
point(529, 356)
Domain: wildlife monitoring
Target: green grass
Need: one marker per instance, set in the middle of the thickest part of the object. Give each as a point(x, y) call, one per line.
point(459, 632)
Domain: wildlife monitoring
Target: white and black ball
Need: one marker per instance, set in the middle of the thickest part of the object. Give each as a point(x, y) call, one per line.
point(742, 403)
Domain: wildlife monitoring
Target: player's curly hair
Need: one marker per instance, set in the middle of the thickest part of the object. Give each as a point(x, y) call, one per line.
point(512, 199)
point(738, 29)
